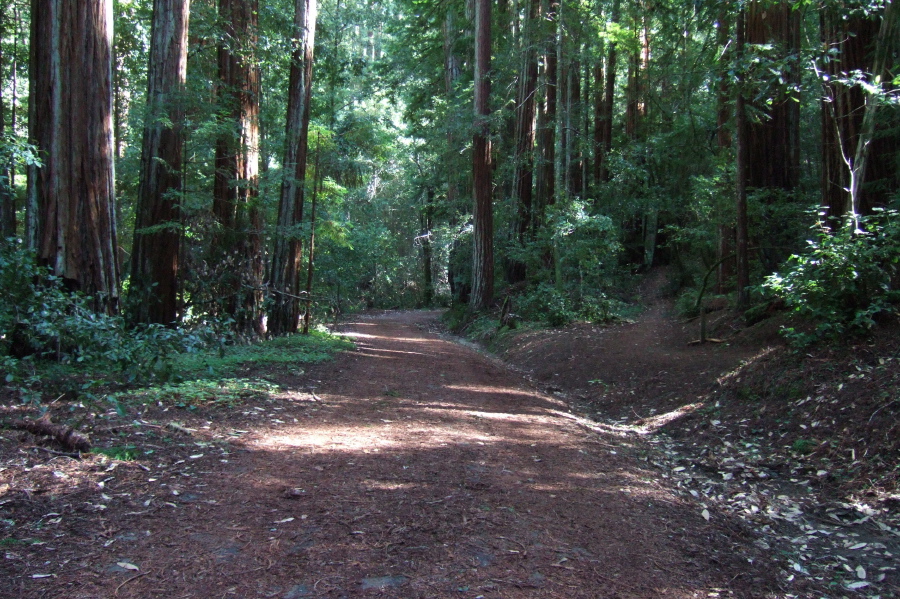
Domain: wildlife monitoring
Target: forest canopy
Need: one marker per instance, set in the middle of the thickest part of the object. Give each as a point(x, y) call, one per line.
point(260, 167)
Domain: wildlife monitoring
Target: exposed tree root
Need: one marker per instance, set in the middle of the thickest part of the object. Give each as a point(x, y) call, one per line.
point(62, 434)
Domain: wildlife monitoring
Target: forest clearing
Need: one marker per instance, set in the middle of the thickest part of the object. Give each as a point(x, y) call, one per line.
point(449, 298)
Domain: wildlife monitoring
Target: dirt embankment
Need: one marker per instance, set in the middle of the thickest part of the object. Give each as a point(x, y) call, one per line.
point(802, 446)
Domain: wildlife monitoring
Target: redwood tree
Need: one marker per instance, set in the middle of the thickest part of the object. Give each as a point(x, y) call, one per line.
point(774, 138)
point(857, 41)
point(483, 255)
point(71, 216)
point(235, 190)
point(7, 197)
point(605, 119)
point(547, 120)
point(286, 258)
point(741, 168)
point(157, 234)
point(523, 176)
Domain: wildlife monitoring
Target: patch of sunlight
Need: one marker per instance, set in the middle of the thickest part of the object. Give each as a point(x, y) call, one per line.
point(526, 418)
point(370, 439)
point(339, 439)
point(501, 391)
point(744, 363)
point(355, 335)
point(549, 488)
point(397, 351)
point(647, 426)
point(380, 485)
point(367, 354)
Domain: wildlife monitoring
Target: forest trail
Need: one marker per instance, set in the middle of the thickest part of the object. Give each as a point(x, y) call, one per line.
point(417, 467)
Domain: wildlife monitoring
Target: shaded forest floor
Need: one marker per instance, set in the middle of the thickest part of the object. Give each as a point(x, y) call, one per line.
point(802, 446)
point(607, 462)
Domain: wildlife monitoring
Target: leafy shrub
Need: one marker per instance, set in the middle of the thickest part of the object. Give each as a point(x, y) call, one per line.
point(845, 279)
point(40, 320)
point(547, 304)
point(599, 309)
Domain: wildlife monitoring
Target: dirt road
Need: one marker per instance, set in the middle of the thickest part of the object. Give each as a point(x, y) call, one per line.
point(417, 468)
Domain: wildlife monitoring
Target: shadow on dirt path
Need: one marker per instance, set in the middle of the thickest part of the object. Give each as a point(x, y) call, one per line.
point(418, 468)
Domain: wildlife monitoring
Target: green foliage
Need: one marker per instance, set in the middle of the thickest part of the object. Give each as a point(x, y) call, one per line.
point(316, 347)
point(803, 446)
point(42, 321)
point(192, 394)
point(15, 150)
point(125, 453)
point(545, 303)
point(587, 244)
point(845, 279)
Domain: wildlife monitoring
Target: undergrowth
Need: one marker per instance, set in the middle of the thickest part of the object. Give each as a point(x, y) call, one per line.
point(316, 347)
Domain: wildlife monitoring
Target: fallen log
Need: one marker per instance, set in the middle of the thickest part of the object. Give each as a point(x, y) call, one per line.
point(62, 434)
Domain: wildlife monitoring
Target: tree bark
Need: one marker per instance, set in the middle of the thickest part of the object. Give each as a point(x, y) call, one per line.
point(235, 188)
point(7, 193)
point(452, 71)
point(483, 254)
point(609, 96)
point(742, 242)
point(843, 110)
point(72, 204)
point(157, 235)
point(286, 258)
point(774, 140)
point(426, 225)
point(883, 57)
point(725, 229)
point(523, 175)
point(547, 123)
point(597, 163)
point(311, 263)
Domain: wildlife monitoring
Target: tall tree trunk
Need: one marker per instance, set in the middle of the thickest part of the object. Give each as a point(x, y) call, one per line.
point(843, 114)
point(13, 109)
point(547, 142)
point(741, 167)
point(575, 129)
point(235, 189)
point(597, 164)
point(774, 140)
point(458, 275)
point(635, 116)
point(311, 262)
point(426, 226)
point(286, 258)
point(483, 254)
point(638, 64)
point(7, 193)
point(632, 92)
point(72, 204)
point(609, 95)
point(883, 60)
point(725, 229)
point(452, 71)
point(118, 109)
point(563, 68)
point(155, 254)
point(523, 175)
